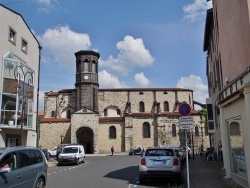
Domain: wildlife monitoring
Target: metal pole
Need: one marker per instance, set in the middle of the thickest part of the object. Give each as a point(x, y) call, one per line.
point(188, 184)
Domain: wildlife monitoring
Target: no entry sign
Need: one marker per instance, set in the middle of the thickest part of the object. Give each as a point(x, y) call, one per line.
point(184, 109)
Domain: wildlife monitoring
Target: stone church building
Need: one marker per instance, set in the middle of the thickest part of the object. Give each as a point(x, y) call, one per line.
point(123, 118)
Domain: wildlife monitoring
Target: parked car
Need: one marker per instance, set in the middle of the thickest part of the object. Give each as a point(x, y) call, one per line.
point(53, 151)
point(59, 149)
point(73, 154)
point(22, 167)
point(138, 150)
point(46, 153)
point(159, 162)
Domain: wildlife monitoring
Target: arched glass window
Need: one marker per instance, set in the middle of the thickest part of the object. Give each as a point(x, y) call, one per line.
point(173, 130)
point(118, 112)
point(146, 130)
point(105, 112)
point(234, 129)
point(53, 114)
point(94, 67)
point(68, 114)
point(112, 132)
point(86, 66)
point(166, 106)
point(141, 107)
point(197, 131)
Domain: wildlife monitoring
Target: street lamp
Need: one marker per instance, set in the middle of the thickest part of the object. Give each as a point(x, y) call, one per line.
point(21, 77)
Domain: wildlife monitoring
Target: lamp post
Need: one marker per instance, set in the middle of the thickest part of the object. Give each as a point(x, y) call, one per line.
point(21, 77)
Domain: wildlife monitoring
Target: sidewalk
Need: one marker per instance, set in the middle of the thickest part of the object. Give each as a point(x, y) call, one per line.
point(207, 174)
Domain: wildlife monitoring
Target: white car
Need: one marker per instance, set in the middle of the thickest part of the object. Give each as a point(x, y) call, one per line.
point(158, 162)
point(52, 152)
point(71, 154)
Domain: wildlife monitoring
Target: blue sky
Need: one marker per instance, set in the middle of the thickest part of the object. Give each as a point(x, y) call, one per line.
point(142, 43)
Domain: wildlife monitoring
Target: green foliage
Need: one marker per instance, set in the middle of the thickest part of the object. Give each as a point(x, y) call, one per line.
point(203, 113)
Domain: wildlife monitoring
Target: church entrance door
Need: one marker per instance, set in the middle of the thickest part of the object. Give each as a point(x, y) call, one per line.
point(85, 137)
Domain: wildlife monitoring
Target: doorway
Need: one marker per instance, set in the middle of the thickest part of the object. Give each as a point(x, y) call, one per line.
point(84, 137)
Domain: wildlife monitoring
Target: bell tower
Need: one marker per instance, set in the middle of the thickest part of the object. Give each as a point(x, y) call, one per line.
point(86, 84)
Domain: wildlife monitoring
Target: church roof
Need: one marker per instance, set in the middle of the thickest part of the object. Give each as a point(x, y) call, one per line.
point(54, 120)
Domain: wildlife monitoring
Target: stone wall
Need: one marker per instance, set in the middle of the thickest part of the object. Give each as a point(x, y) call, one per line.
point(50, 134)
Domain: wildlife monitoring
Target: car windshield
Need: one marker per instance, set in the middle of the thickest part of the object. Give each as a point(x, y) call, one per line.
point(70, 150)
point(159, 152)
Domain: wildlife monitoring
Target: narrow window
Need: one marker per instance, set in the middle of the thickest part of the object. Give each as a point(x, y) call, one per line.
point(53, 114)
point(112, 132)
point(68, 114)
point(234, 129)
point(105, 112)
point(24, 46)
point(146, 130)
point(141, 107)
point(94, 67)
point(166, 106)
point(86, 66)
point(12, 36)
point(197, 131)
point(173, 130)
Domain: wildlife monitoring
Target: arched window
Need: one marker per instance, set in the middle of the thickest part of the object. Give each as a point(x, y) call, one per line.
point(105, 112)
point(166, 106)
point(86, 66)
point(173, 130)
point(118, 112)
point(53, 114)
point(146, 130)
point(94, 67)
point(141, 106)
point(197, 131)
point(68, 114)
point(234, 129)
point(112, 132)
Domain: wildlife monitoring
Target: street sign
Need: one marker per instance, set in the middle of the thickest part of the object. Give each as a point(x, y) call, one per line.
point(184, 109)
point(186, 122)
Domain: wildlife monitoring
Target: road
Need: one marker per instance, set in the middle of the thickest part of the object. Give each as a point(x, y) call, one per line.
point(103, 172)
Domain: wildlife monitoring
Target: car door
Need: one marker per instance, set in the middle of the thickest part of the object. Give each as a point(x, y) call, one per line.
point(13, 177)
point(27, 168)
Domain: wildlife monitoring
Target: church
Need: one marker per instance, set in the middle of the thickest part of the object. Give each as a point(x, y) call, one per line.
point(99, 118)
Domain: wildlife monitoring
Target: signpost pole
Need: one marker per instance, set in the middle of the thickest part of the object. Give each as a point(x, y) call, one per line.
point(188, 185)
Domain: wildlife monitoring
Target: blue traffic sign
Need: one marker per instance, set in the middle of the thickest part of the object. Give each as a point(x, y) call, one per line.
point(184, 109)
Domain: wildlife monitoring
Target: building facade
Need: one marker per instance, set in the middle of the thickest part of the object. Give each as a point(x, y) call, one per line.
point(227, 35)
point(19, 78)
point(123, 118)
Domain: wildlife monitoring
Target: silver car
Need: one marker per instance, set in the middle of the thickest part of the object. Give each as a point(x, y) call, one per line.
point(160, 162)
point(22, 167)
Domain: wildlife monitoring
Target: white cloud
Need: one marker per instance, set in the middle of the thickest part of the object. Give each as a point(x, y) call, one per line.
point(196, 10)
point(132, 53)
point(46, 5)
point(107, 80)
point(41, 100)
point(60, 44)
point(195, 83)
point(141, 79)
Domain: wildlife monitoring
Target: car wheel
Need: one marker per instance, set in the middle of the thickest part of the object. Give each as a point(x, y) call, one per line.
point(40, 183)
point(58, 164)
point(77, 162)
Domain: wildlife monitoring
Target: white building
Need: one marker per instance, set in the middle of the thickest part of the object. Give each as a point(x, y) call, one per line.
point(19, 80)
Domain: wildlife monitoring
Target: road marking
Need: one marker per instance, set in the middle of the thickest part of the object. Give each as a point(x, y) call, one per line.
point(70, 168)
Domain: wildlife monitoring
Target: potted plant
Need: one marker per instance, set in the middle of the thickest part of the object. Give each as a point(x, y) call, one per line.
point(8, 118)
